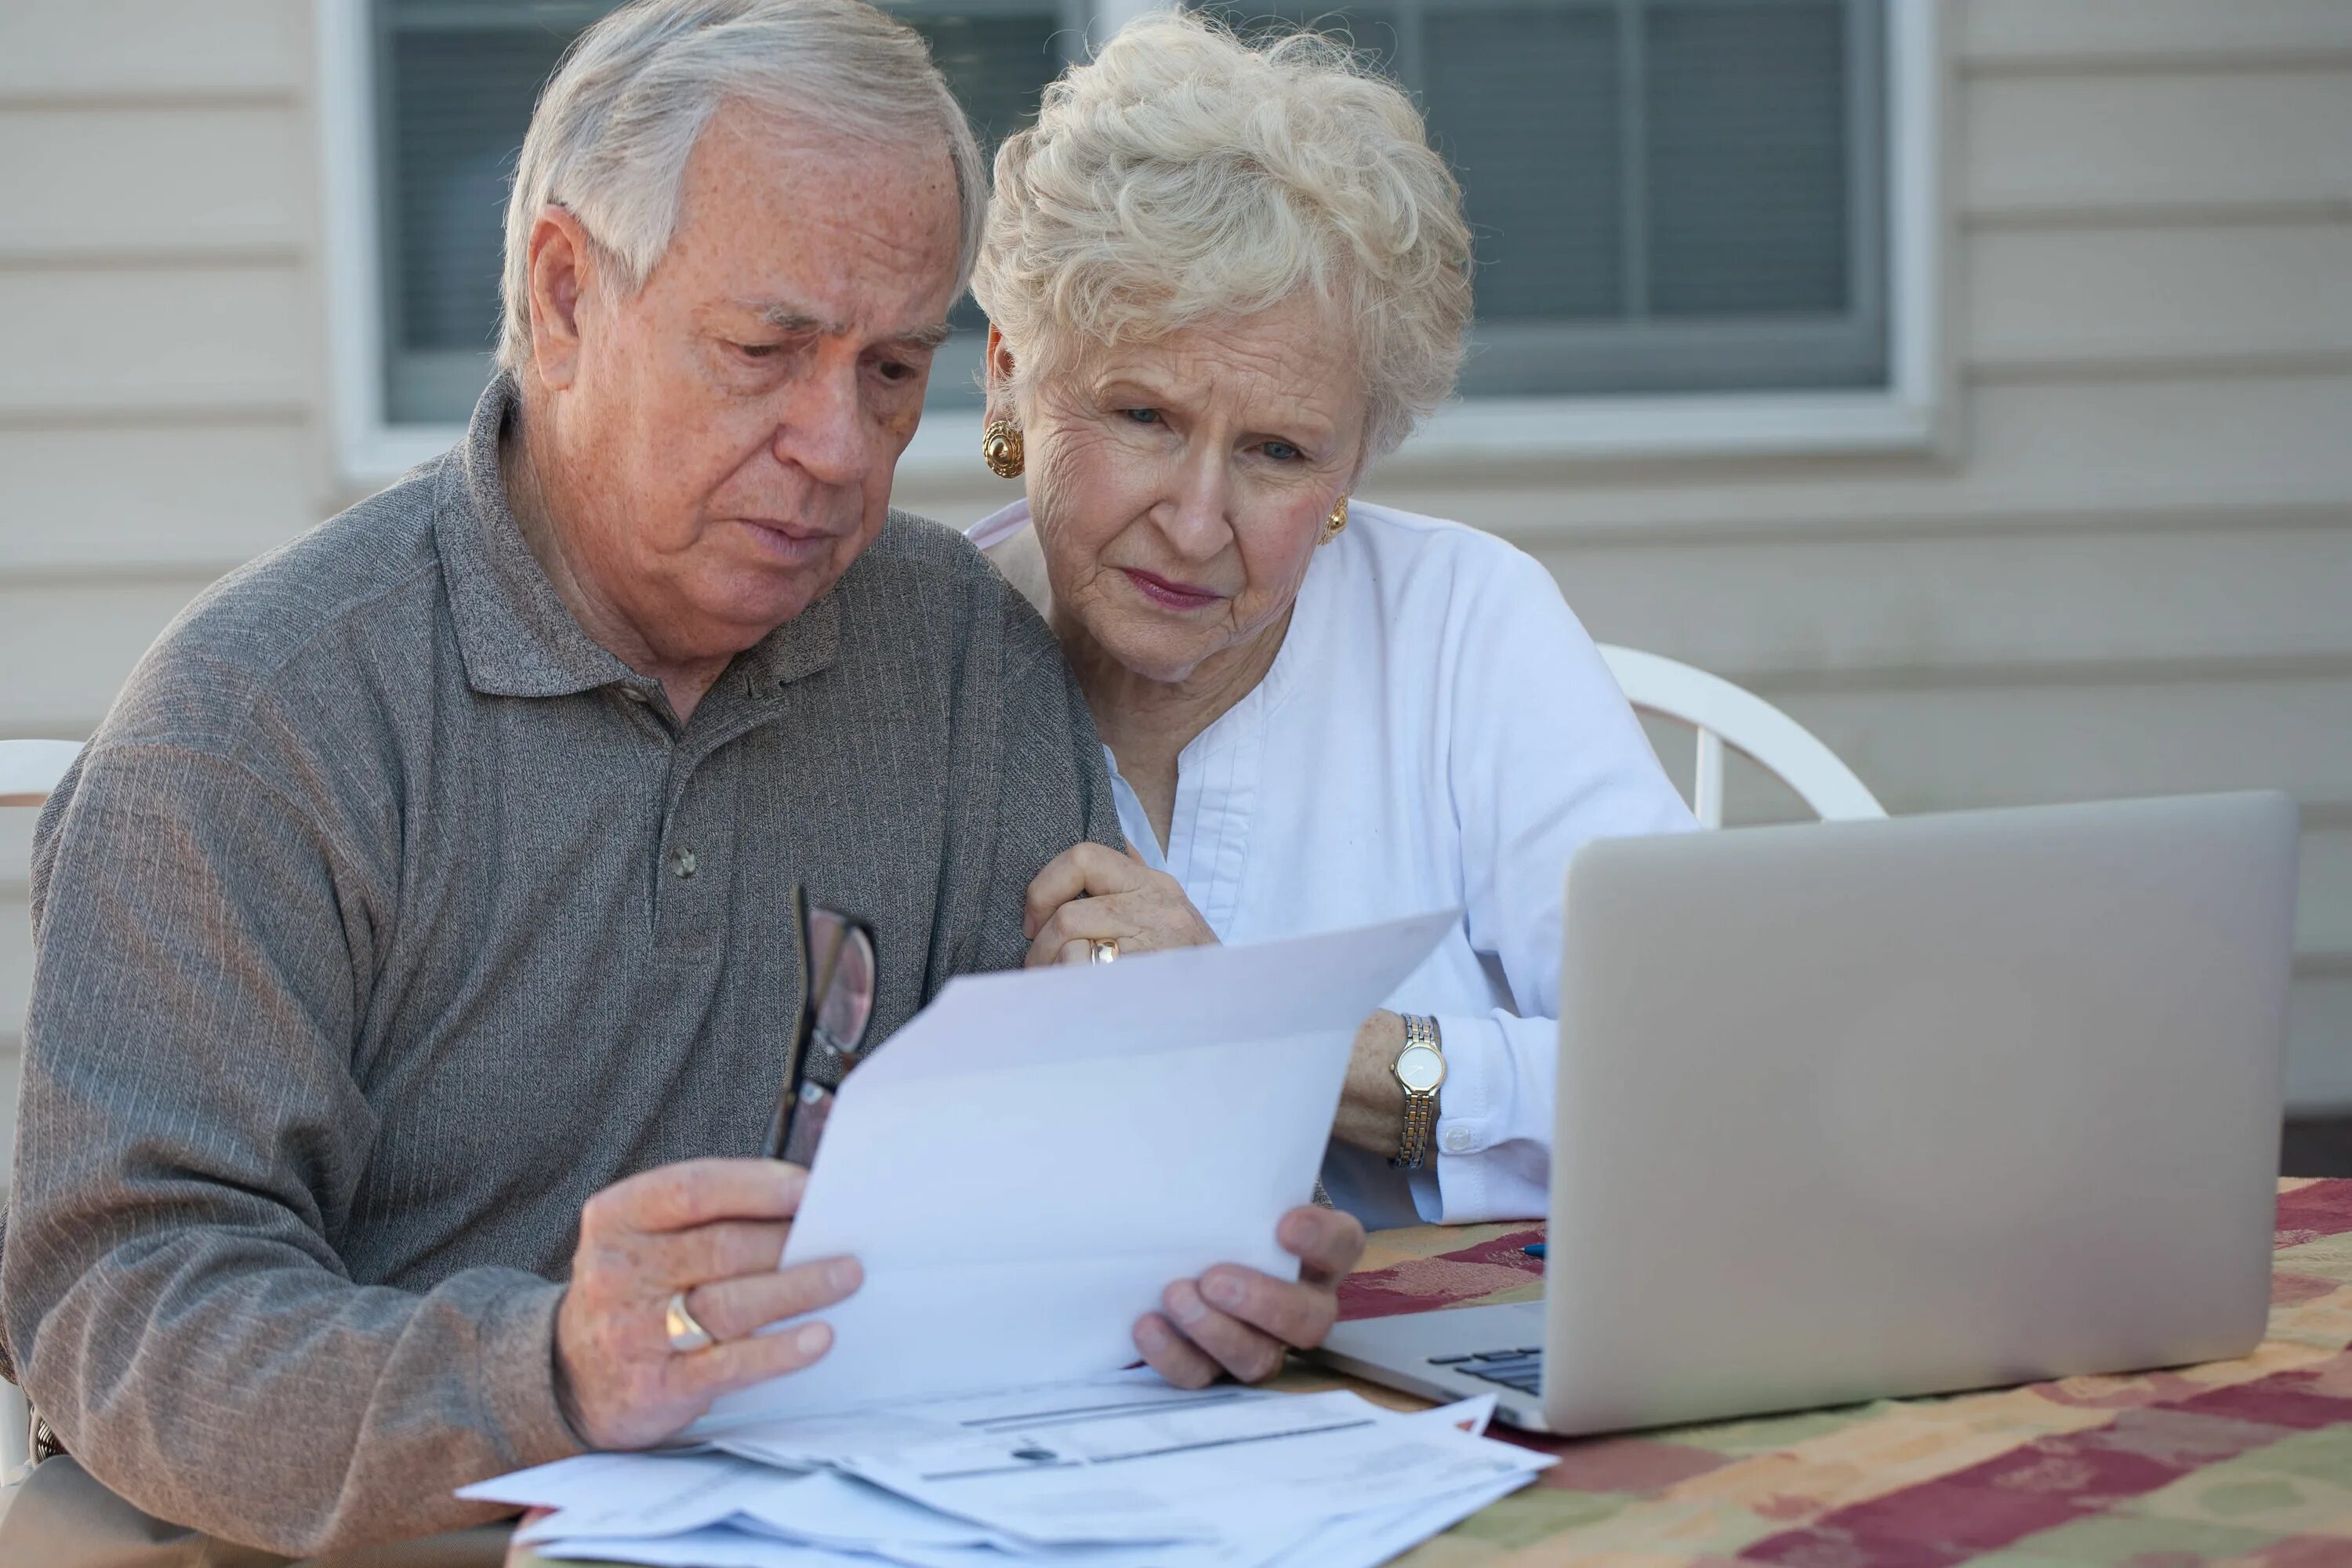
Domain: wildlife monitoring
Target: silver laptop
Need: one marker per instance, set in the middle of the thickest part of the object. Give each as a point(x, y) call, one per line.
point(1861, 1109)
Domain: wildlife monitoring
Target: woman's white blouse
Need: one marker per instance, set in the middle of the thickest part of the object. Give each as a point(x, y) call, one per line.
point(1436, 731)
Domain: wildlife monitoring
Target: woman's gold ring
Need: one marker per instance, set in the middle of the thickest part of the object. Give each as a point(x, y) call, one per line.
point(1102, 950)
point(686, 1335)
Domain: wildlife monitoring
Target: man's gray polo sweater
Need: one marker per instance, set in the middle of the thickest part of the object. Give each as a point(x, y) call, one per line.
point(367, 949)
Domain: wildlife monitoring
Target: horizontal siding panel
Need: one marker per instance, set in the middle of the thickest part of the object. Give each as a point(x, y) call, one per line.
point(2119, 296)
point(128, 183)
point(2319, 1044)
point(1946, 748)
point(2030, 453)
point(1993, 601)
point(2038, 33)
point(198, 497)
point(2323, 922)
point(198, 337)
point(126, 48)
point(69, 647)
point(2074, 146)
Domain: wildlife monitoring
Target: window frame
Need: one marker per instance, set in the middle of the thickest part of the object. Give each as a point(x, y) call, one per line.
point(1908, 414)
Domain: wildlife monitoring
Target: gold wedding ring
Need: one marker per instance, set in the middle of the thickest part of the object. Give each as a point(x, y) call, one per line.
point(1102, 950)
point(686, 1335)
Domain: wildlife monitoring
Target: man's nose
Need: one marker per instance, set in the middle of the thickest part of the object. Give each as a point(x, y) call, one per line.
point(823, 430)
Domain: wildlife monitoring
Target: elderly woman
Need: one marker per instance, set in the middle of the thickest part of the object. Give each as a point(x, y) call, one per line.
point(1221, 280)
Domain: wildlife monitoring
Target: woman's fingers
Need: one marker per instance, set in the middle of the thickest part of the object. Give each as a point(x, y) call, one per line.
point(1150, 918)
point(1080, 871)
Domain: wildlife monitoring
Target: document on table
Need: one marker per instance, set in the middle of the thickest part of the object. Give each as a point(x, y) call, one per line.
point(1027, 1164)
point(1116, 1472)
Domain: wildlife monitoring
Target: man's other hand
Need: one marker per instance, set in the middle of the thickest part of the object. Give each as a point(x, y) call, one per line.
point(714, 1229)
point(1237, 1320)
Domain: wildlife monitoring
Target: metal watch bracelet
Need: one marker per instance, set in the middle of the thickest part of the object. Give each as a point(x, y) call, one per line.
point(1420, 1099)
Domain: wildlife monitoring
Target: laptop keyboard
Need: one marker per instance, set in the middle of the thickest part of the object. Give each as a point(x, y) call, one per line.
point(1520, 1369)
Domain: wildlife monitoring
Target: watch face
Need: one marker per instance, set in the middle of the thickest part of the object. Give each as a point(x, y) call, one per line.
point(1418, 1068)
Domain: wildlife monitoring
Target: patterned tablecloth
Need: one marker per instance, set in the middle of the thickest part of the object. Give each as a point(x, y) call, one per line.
point(2242, 1462)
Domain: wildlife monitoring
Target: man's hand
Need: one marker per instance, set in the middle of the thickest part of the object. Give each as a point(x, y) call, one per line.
point(714, 1229)
point(1087, 893)
point(1238, 1320)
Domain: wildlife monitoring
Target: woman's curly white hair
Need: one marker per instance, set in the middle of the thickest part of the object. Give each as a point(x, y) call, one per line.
point(1184, 177)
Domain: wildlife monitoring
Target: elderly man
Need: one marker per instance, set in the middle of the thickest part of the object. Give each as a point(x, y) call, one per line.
point(415, 936)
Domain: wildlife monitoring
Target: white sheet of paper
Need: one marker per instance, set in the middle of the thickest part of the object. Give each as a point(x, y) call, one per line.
point(1031, 1161)
point(1090, 1470)
point(1252, 1468)
point(621, 1480)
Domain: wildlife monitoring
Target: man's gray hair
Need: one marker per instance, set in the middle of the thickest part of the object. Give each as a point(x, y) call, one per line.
point(617, 121)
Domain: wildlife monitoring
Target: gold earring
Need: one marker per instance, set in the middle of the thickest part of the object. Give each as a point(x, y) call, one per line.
point(1335, 524)
point(999, 448)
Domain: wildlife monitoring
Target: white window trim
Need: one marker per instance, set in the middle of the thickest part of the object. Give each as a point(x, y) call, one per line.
point(1908, 417)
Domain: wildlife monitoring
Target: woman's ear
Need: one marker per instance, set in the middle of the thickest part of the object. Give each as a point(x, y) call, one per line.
point(1000, 369)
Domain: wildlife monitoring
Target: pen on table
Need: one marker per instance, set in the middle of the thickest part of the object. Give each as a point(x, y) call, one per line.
point(1533, 1249)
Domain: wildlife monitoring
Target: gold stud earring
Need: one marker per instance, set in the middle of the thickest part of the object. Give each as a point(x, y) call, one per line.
point(999, 448)
point(1335, 524)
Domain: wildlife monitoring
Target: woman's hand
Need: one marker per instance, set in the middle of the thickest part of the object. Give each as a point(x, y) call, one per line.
point(1088, 893)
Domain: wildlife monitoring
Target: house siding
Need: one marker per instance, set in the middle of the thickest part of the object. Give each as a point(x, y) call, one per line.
point(2128, 571)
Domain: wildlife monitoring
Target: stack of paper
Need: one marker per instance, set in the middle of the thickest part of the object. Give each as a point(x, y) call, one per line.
point(1114, 1472)
point(1023, 1170)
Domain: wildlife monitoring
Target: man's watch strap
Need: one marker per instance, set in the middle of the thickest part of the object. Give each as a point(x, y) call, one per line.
point(1421, 1080)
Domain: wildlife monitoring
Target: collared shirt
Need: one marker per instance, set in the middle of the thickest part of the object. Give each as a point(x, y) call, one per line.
point(388, 917)
point(1436, 731)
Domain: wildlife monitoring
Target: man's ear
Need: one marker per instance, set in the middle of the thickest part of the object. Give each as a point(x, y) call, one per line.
point(561, 279)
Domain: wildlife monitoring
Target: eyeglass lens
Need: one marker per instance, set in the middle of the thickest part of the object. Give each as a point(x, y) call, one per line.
point(841, 970)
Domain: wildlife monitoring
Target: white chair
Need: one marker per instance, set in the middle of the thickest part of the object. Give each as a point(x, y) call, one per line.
point(1725, 715)
point(29, 770)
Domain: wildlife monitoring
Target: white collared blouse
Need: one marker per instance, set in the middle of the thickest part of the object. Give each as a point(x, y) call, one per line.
point(1436, 731)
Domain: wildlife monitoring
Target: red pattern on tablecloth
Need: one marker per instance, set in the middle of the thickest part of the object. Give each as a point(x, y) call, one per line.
point(2307, 1213)
point(1424, 1284)
point(2201, 1436)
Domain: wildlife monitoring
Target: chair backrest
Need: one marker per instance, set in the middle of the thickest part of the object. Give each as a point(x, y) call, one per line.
point(1725, 715)
point(29, 770)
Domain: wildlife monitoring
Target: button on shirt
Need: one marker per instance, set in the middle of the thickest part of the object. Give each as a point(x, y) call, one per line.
point(1437, 731)
point(388, 917)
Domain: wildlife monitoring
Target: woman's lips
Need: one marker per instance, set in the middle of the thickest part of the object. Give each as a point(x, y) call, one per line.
point(1172, 596)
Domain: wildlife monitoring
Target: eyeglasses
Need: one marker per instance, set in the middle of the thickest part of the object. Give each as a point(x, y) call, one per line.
point(829, 1036)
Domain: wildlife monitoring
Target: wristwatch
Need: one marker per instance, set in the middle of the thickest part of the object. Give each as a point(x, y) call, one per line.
point(1420, 1068)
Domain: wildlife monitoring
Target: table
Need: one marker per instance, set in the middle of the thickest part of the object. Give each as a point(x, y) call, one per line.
point(2244, 1462)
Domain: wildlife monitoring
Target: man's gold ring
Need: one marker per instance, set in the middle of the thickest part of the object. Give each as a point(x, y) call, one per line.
point(1102, 950)
point(686, 1335)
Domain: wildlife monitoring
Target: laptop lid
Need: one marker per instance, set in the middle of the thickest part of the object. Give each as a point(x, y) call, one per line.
point(1858, 1110)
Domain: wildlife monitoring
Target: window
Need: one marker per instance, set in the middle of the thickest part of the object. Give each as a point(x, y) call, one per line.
point(1702, 225)
point(1668, 195)
point(454, 85)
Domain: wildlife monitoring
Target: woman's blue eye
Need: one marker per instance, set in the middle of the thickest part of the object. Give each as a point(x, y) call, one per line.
point(1282, 451)
point(1142, 416)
